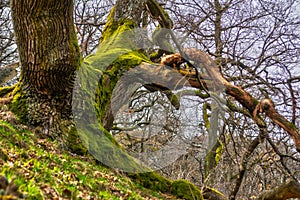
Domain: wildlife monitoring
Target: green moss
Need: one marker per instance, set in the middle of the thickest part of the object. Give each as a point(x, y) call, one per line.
point(151, 180)
point(213, 190)
point(186, 190)
point(180, 188)
point(213, 156)
point(19, 105)
point(205, 116)
point(255, 102)
point(219, 151)
point(237, 90)
point(74, 144)
point(155, 55)
point(116, 54)
point(76, 49)
point(160, 14)
point(111, 77)
point(292, 126)
point(201, 94)
point(105, 149)
point(99, 74)
point(175, 101)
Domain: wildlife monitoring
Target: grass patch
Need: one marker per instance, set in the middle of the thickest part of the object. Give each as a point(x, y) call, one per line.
point(42, 171)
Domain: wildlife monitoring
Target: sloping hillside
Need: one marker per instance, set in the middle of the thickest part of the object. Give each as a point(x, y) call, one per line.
point(37, 169)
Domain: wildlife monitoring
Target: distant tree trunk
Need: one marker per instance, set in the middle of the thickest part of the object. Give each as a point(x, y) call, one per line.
point(49, 57)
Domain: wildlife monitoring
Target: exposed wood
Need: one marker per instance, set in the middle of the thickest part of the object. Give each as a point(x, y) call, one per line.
point(243, 97)
point(214, 79)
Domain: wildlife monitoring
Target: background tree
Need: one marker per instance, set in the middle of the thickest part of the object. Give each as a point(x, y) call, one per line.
point(89, 17)
point(8, 49)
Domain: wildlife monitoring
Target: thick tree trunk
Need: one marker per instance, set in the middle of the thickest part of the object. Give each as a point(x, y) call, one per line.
point(49, 57)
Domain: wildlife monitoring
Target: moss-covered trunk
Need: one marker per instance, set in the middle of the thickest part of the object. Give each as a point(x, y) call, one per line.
point(49, 57)
point(115, 42)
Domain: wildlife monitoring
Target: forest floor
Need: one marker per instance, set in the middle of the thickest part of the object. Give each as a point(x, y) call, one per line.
point(33, 168)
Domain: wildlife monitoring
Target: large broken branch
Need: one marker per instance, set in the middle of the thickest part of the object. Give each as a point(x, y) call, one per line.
point(246, 99)
point(215, 80)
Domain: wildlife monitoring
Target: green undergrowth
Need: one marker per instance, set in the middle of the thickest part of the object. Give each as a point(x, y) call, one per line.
point(42, 171)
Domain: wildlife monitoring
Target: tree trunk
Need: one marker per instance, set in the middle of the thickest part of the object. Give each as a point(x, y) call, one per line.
point(126, 13)
point(49, 57)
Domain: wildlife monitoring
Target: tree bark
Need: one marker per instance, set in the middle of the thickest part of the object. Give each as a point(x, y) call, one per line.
point(126, 13)
point(131, 9)
point(49, 57)
point(290, 189)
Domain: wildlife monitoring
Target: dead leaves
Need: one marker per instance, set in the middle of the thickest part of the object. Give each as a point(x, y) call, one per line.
point(9, 190)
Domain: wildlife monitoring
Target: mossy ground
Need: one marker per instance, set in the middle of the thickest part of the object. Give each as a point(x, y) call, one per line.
point(42, 171)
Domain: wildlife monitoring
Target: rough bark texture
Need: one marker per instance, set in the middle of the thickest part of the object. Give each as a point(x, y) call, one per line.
point(49, 57)
point(290, 189)
point(129, 10)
